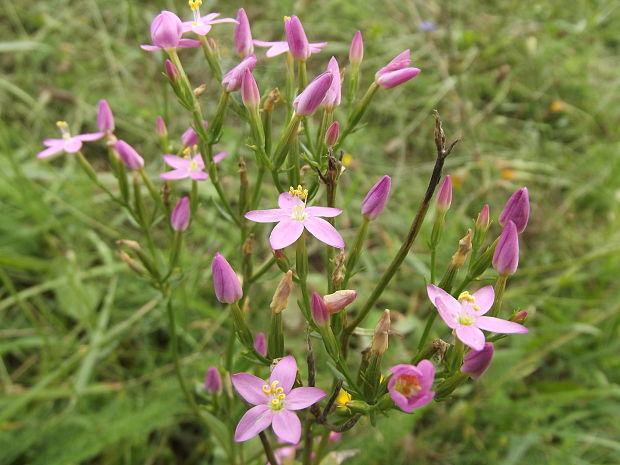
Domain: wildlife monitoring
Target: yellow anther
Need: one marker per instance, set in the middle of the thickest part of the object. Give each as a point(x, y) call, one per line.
point(61, 124)
point(466, 296)
point(281, 396)
point(279, 391)
point(275, 402)
point(273, 386)
point(476, 307)
point(195, 4)
point(266, 389)
point(299, 192)
point(187, 151)
point(287, 18)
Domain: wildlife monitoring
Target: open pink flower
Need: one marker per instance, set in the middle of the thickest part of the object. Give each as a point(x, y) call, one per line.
point(188, 168)
point(466, 315)
point(280, 47)
point(68, 143)
point(292, 217)
point(410, 385)
point(274, 401)
point(166, 32)
point(201, 25)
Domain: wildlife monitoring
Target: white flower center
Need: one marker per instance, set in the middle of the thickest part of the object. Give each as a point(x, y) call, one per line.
point(466, 319)
point(276, 396)
point(298, 213)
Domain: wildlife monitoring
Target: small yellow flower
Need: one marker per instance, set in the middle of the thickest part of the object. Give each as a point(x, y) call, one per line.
point(508, 174)
point(343, 399)
point(347, 159)
point(556, 106)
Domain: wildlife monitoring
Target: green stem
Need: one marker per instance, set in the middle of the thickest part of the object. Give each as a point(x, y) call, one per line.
point(355, 251)
point(500, 287)
point(268, 450)
point(301, 265)
point(212, 58)
point(358, 111)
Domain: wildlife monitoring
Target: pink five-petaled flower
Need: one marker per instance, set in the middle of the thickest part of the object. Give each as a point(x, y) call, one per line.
point(280, 47)
point(292, 217)
point(274, 401)
point(68, 143)
point(166, 32)
point(188, 168)
point(410, 385)
point(466, 315)
point(202, 25)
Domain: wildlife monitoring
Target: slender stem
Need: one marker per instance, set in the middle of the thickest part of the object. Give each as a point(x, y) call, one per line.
point(320, 452)
point(355, 251)
point(500, 286)
point(433, 260)
point(212, 58)
point(271, 458)
point(302, 75)
point(301, 265)
point(358, 111)
point(265, 267)
point(307, 452)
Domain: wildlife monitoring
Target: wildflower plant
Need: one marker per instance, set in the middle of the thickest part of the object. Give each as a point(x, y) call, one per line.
point(295, 162)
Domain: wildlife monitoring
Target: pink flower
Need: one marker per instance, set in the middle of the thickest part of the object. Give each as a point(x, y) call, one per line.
point(68, 143)
point(399, 62)
point(410, 385)
point(356, 51)
point(189, 137)
point(166, 32)
point(249, 91)
point(202, 25)
point(517, 210)
point(274, 401)
point(105, 118)
point(476, 362)
point(298, 43)
point(466, 315)
point(332, 97)
point(320, 315)
point(374, 202)
point(339, 300)
point(396, 71)
point(243, 35)
point(309, 100)
point(260, 344)
point(129, 156)
point(232, 79)
point(225, 281)
point(483, 218)
point(506, 255)
point(188, 168)
point(179, 219)
point(292, 217)
point(444, 196)
point(280, 47)
point(332, 133)
point(213, 380)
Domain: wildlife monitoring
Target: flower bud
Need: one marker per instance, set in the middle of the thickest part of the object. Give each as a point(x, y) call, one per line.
point(160, 127)
point(279, 302)
point(249, 91)
point(213, 380)
point(458, 259)
point(374, 202)
point(179, 219)
point(243, 35)
point(506, 256)
point(476, 362)
point(380, 337)
point(395, 78)
point(332, 133)
point(166, 30)
point(129, 156)
point(399, 62)
point(232, 79)
point(356, 51)
point(260, 344)
point(282, 261)
point(225, 281)
point(444, 196)
point(272, 99)
point(517, 210)
point(298, 43)
point(171, 71)
point(105, 118)
point(312, 96)
point(320, 315)
point(189, 137)
point(482, 221)
point(339, 300)
point(520, 317)
point(333, 95)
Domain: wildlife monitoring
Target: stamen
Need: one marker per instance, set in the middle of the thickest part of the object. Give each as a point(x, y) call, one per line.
point(467, 297)
point(195, 6)
point(266, 389)
point(64, 129)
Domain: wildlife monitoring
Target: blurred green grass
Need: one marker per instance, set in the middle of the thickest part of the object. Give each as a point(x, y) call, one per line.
point(532, 88)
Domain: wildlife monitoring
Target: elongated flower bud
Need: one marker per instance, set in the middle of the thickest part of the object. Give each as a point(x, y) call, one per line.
point(396, 78)
point(171, 71)
point(189, 137)
point(476, 362)
point(260, 344)
point(160, 127)
point(356, 51)
point(520, 317)
point(333, 95)
point(444, 196)
point(279, 302)
point(482, 221)
point(225, 281)
point(105, 118)
point(399, 62)
point(320, 315)
point(339, 300)
point(249, 91)
point(213, 380)
point(506, 256)
point(374, 202)
point(233, 78)
point(517, 210)
point(243, 35)
point(129, 156)
point(166, 30)
point(312, 96)
point(380, 337)
point(298, 43)
point(332, 133)
point(179, 219)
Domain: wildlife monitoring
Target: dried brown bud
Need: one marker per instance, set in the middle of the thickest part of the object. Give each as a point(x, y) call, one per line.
point(131, 245)
point(134, 265)
point(248, 245)
point(339, 300)
point(280, 297)
point(380, 338)
point(272, 99)
point(338, 275)
point(198, 91)
point(441, 347)
point(458, 259)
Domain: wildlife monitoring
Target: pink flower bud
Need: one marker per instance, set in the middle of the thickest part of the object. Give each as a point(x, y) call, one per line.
point(179, 219)
point(332, 133)
point(395, 78)
point(483, 218)
point(374, 202)
point(332, 97)
point(506, 256)
point(517, 210)
point(320, 315)
point(520, 317)
point(160, 127)
point(105, 118)
point(339, 300)
point(356, 52)
point(444, 196)
point(401, 61)
point(312, 96)
point(213, 380)
point(243, 35)
point(129, 156)
point(166, 30)
point(260, 344)
point(298, 43)
point(249, 91)
point(233, 78)
point(171, 71)
point(476, 362)
point(225, 281)
point(189, 137)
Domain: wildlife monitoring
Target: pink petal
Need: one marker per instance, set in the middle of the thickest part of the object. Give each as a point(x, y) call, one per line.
point(284, 373)
point(324, 232)
point(198, 175)
point(202, 29)
point(400, 400)
point(326, 212)
point(174, 174)
point(72, 145)
point(428, 374)
point(50, 151)
point(303, 397)
point(318, 45)
point(277, 49)
point(422, 400)
point(267, 216)
point(484, 299)
point(287, 426)
point(497, 325)
point(264, 43)
point(177, 162)
point(285, 233)
point(471, 336)
point(254, 421)
point(149, 48)
point(447, 314)
point(219, 157)
point(224, 20)
point(286, 201)
point(448, 301)
point(198, 160)
point(250, 388)
point(188, 43)
point(209, 16)
point(53, 142)
point(90, 136)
